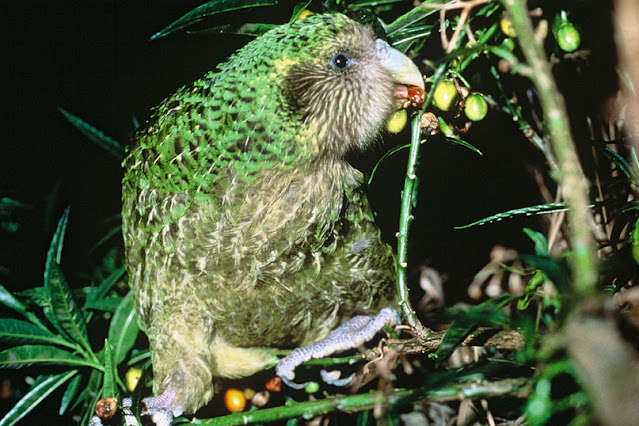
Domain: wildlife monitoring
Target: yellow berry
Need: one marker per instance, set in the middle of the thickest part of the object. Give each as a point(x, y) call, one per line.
point(305, 14)
point(234, 400)
point(397, 121)
point(506, 26)
point(445, 96)
point(132, 378)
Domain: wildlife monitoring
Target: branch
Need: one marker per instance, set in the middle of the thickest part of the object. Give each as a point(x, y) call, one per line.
point(570, 175)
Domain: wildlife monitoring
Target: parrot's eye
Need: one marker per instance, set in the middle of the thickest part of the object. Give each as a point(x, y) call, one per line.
point(341, 61)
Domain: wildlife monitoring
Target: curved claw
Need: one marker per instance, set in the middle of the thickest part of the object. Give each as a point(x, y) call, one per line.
point(327, 376)
point(292, 384)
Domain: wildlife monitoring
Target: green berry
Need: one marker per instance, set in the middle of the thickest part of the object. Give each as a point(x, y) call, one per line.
point(311, 387)
point(508, 44)
point(476, 107)
point(568, 37)
point(445, 96)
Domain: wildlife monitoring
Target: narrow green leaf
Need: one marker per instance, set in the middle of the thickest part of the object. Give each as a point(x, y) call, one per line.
point(105, 286)
point(66, 309)
point(208, 9)
point(106, 305)
point(124, 329)
point(370, 3)
point(299, 8)
point(105, 142)
point(18, 332)
point(23, 356)
point(414, 15)
point(248, 29)
point(38, 295)
point(410, 34)
point(10, 301)
point(70, 393)
point(36, 394)
point(621, 163)
point(109, 389)
point(54, 255)
point(384, 157)
point(462, 142)
point(528, 211)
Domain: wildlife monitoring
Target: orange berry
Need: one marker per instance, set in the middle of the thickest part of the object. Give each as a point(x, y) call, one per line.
point(234, 400)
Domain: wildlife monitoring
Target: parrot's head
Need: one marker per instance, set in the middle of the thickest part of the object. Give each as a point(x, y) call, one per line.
point(336, 79)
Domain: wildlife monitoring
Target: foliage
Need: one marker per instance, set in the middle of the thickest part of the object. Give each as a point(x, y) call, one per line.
point(485, 48)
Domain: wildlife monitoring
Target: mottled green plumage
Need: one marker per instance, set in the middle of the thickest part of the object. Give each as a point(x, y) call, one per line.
point(244, 224)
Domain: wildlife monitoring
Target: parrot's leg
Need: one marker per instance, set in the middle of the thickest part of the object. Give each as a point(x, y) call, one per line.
point(161, 409)
point(360, 329)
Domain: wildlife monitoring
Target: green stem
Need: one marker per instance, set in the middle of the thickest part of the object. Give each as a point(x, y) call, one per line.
point(570, 176)
point(402, 238)
point(395, 399)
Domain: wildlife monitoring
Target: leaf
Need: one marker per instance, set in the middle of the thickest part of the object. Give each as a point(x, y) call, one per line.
point(540, 241)
point(69, 394)
point(462, 142)
point(106, 305)
point(528, 211)
point(109, 389)
point(9, 300)
point(412, 16)
point(23, 356)
point(248, 29)
point(105, 142)
point(105, 286)
point(370, 3)
point(621, 163)
point(299, 8)
point(410, 34)
point(18, 332)
point(54, 255)
point(124, 329)
point(208, 9)
point(66, 310)
point(36, 394)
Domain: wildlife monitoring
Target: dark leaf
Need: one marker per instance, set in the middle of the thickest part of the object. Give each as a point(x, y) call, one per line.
point(124, 329)
point(23, 356)
point(208, 9)
point(43, 388)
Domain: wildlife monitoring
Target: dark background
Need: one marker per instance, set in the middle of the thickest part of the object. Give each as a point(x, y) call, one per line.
point(94, 59)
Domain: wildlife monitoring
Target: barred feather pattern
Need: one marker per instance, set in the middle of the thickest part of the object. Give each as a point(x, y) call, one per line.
point(245, 227)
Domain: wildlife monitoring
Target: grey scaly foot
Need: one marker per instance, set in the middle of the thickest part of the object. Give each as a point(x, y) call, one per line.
point(359, 330)
point(161, 409)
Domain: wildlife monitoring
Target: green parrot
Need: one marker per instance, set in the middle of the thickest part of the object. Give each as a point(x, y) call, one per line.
point(245, 227)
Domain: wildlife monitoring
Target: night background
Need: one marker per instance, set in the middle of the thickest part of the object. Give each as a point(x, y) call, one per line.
point(94, 59)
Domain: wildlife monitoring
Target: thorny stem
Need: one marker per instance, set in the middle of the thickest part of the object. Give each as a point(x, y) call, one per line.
point(570, 175)
point(402, 238)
